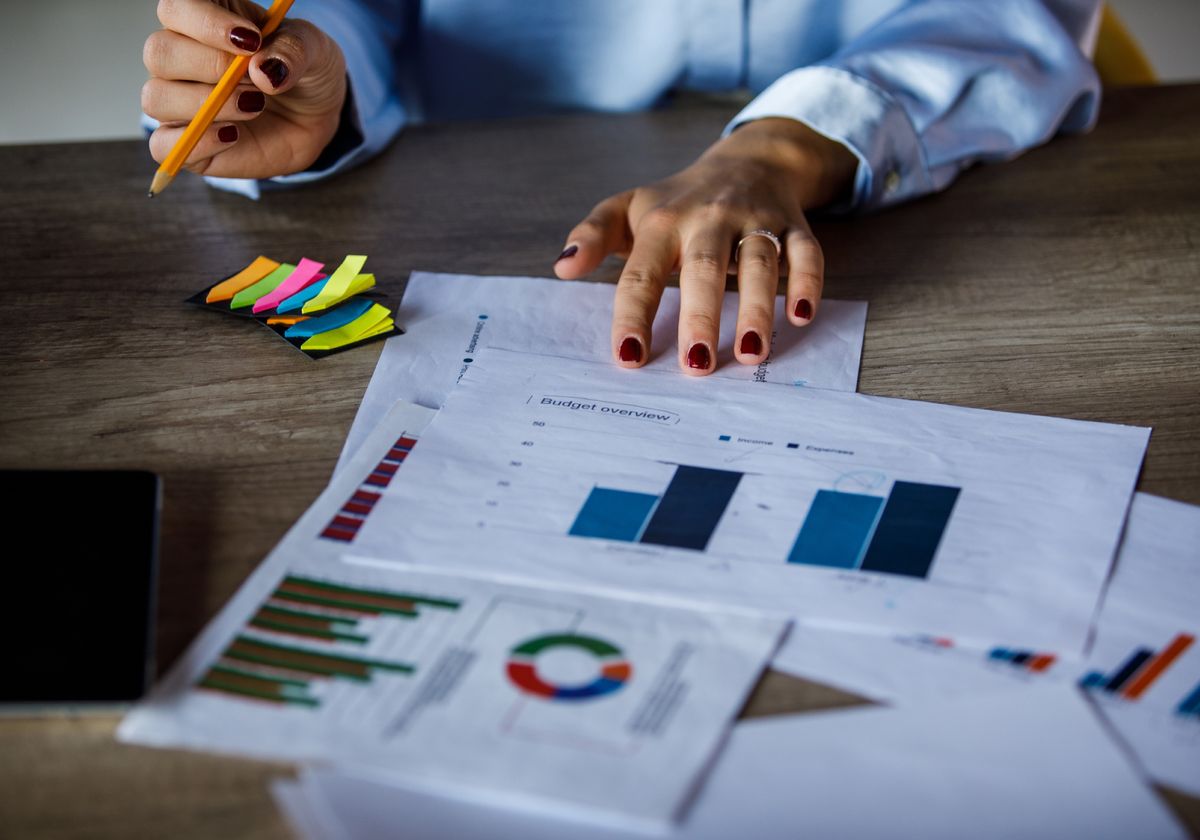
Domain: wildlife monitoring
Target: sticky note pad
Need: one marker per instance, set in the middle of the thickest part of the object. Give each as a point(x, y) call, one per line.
point(337, 286)
point(305, 274)
point(340, 317)
point(264, 286)
point(358, 285)
point(375, 320)
point(248, 276)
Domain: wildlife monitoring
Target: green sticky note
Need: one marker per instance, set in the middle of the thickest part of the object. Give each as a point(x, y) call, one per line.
point(247, 296)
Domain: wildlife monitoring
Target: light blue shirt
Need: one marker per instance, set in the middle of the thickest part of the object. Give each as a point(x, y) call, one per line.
point(918, 90)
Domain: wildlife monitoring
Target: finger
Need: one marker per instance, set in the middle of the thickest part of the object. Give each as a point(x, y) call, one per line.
point(287, 56)
point(169, 55)
point(210, 24)
point(758, 279)
point(218, 138)
point(603, 232)
point(640, 287)
point(179, 101)
point(806, 274)
point(701, 289)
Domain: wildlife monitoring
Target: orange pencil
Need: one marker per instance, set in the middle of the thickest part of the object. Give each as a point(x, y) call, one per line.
point(173, 162)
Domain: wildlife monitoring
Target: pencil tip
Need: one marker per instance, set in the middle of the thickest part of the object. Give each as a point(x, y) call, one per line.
point(150, 194)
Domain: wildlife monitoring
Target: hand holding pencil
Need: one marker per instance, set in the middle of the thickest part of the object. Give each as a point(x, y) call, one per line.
point(253, 97)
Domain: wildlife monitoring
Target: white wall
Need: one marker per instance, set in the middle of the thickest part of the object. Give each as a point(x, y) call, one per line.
point(72, 69)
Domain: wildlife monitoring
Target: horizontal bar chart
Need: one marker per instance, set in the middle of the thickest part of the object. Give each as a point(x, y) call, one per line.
point(897, 535)
point(1026, 660)
point(1140, 670)
point(684, 516)
point(306, 631)
point(347, 522)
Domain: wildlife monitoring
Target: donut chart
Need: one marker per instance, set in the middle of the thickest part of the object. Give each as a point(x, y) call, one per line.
point(614, 670)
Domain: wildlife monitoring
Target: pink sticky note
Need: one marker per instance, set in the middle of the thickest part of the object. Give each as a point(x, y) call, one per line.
point(306, 273)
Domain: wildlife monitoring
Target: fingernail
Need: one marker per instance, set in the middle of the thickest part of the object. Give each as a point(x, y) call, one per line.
point(251, 101)
point(569, 251)
point(698, 357)
point(245, 39)
point(803, 309)
point(751, 344)
point(228, 134)
point(275, 71)
point(631, 350)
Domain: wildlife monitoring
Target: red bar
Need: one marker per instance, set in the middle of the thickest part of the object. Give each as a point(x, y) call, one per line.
point(1041, 662)
point(1151, 670)
point(377, 480)
point(332, 533)
point(366, 497)
point(346, 522)
point(397, 454)
point(406, 442)
point(385, 467)
point(356, 507)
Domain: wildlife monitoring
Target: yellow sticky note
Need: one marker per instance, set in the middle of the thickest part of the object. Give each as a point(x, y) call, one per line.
point(374, 321)
point(245, 278)
point(337, 286)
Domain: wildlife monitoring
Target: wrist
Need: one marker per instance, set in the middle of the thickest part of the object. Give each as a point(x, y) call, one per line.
point(821, 170)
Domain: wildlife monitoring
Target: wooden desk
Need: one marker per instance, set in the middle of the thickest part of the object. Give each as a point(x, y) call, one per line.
point(1063, 284)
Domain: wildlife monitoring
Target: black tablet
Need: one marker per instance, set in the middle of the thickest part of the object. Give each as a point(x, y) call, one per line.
point(77, 620)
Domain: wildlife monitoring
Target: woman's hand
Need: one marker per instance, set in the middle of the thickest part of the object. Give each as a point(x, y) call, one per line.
point(761, 177)
point(281, 116)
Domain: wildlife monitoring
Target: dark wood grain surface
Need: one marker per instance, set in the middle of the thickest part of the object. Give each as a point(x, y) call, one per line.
point(1064, 283)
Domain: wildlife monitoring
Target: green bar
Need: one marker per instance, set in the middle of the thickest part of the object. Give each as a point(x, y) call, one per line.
point(332, 619)
point(238, 672)
point(588, 643)
point(343, 603)
point(218, 685)
point(403, 596)
point(296, 630)
point(314, 668)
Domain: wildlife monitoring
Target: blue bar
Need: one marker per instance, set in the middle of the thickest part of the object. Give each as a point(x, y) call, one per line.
point(910, 529)
point(836, 529)
point(1000, 654)
point(1191, 704)
point(1094, 680)
point(1132, 665)
point(613, 514)
point(691, 507)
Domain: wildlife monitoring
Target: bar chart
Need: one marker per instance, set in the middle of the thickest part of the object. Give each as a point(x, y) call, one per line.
point(308, 631)
point(896, 535)
point(1144, 666)
point(1026, 660)
point(345, 525)
point(683, 516)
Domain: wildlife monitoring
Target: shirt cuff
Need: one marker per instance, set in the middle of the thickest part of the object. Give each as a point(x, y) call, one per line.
point(862, 117)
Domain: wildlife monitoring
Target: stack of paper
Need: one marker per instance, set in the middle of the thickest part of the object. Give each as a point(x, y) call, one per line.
point(546, 599)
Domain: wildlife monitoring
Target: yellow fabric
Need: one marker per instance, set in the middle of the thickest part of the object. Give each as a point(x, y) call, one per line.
point(1119, 60)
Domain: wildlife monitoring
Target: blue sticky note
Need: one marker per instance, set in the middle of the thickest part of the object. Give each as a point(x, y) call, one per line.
point(301, 297)
point(331, 320)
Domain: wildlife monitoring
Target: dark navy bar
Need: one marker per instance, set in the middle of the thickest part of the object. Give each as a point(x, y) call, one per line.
point(691, 507)
point(1131, 666)
point(1191, 704)
point(910, 529)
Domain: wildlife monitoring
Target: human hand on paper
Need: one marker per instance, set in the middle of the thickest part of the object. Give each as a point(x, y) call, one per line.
point(283, 114)
point(761, 177)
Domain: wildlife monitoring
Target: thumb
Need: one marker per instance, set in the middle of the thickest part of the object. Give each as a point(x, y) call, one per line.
point(301, 59)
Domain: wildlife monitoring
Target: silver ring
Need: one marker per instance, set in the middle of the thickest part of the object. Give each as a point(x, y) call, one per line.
point(765, 234)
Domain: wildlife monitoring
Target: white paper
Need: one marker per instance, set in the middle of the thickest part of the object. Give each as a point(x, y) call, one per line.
point(526, 444)
point(571, 702)
point(449, 319)
point(915, 668)
point(1032, 765)
point(1152, 601)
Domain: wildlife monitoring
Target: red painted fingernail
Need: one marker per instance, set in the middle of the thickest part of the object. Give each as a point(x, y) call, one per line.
point(251, 101)
point(751, 344)
point(803, 309)
point(245, 39)
point(698, 357)
point(227, 134)
point(631, 350)
point(569, 251)
point(275, 71)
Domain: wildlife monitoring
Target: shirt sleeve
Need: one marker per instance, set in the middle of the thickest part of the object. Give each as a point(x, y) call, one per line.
point(369, 33)
point(941, 84)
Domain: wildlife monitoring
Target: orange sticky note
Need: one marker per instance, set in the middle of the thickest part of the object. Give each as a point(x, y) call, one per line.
point(247, 277)
point(287, 319)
